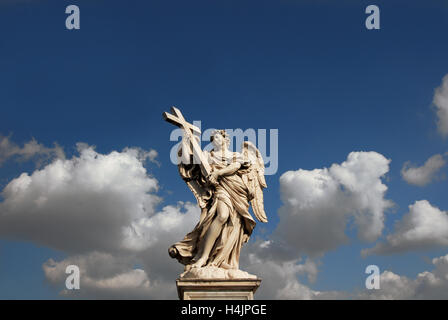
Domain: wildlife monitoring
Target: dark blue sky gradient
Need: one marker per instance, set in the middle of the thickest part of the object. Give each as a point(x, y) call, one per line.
point(308, 68)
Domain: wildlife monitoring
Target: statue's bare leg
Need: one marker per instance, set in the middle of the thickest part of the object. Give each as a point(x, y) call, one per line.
point(213, 233)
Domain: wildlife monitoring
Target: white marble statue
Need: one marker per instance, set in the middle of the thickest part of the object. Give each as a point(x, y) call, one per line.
point(224, 184)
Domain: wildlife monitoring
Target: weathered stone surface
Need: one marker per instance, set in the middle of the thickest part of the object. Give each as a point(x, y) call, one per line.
point(210, 272)
point(217, 289)
point(225, 184)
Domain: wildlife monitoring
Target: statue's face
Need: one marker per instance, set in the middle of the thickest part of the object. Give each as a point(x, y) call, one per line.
point(218, 140)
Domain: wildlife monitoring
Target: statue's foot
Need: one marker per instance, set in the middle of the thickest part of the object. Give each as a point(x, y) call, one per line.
point(226, 266)
point(200, 263)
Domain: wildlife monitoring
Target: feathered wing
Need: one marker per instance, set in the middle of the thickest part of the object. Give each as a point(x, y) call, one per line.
point(255, 179)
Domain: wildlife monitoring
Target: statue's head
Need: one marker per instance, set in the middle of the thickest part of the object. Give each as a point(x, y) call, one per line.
point(220, 139)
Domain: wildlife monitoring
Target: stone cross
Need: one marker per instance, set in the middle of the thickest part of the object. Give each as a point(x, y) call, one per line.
point(176, 118)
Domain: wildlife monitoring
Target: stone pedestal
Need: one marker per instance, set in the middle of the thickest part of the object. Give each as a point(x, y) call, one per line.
point(217, 289)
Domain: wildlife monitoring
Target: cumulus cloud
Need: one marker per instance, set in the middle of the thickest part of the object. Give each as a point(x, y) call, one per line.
point(427, 284)
point(105, 276)
point(143, 155)
point(284, 277)
point(280, 276)
point(78, 204)
point(441, 103)
point(423, 227)
point(317, 207)
point(421, 176)
point(30, 150)
point(319, 203)
point(101, 210)
point(285, 280)
point(114, 275)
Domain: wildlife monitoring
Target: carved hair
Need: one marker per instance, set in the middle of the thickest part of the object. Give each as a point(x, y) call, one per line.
point(223, 133)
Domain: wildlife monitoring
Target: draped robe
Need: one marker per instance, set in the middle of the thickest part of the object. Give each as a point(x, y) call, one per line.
point(233, 191)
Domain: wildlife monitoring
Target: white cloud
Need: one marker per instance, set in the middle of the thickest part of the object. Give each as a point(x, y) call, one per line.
point(143, 155)
point(424, 226)
point(351, 189)
point(105, 276)
point(441, 103)
point(427, 285)
point(31, 149)
point(171, 221)
point(319, 203)
point(100, 209)
point(81, 203)
point(166, 227)
point(114, 276)
point(280, 276)
point(283, 279)
point(421, 176)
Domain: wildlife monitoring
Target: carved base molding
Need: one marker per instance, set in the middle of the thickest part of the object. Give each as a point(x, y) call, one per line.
point(217, 289)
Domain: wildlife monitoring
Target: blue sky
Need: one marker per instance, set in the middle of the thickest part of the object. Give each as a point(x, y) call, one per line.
point(307, 68)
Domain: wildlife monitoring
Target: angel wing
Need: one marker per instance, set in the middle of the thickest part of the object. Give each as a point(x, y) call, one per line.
point(256, 181)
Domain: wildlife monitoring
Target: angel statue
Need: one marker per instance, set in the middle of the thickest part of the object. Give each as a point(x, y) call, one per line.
point(224, 184)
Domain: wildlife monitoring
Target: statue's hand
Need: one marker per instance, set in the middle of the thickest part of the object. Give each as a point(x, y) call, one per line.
point(213, 178)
